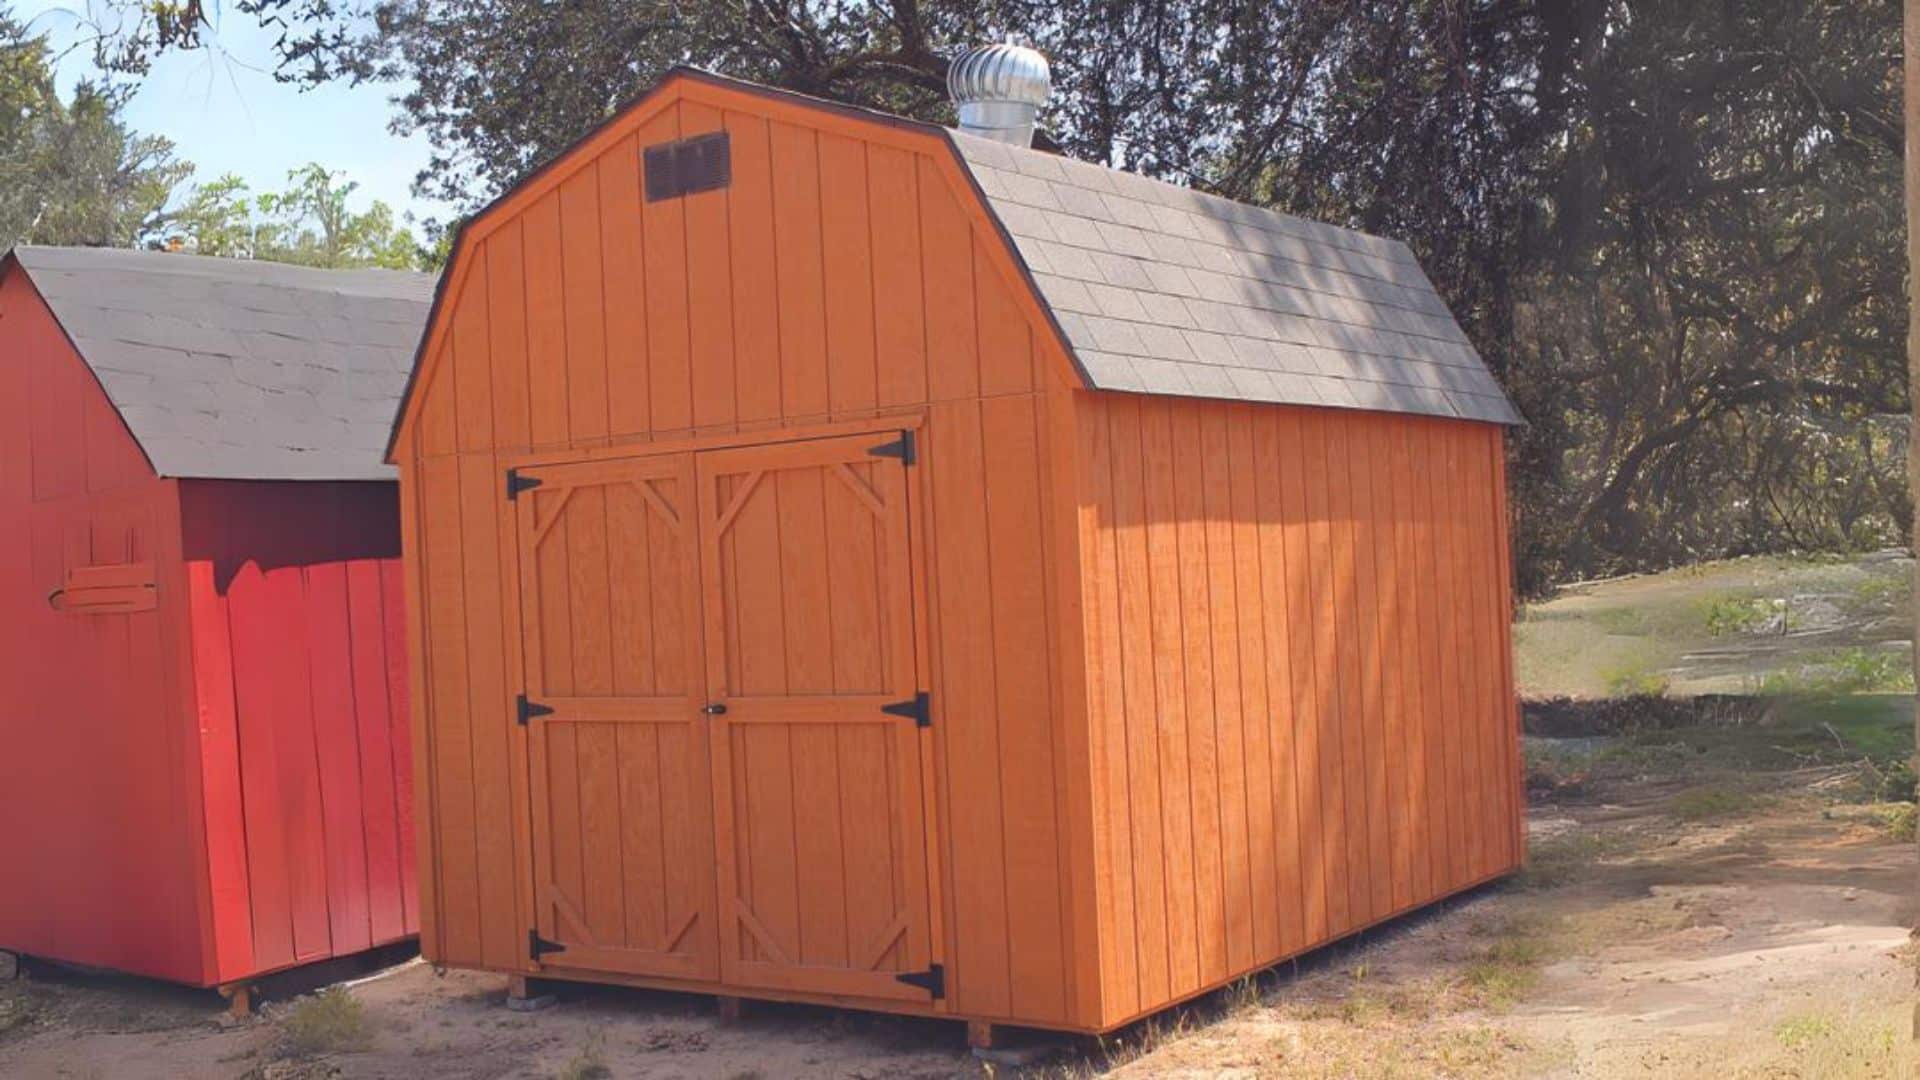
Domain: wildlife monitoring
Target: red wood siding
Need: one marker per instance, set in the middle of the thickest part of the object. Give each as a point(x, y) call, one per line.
point(143, 755)
point(95, 739)
point(295, 598)
point(1298, 679)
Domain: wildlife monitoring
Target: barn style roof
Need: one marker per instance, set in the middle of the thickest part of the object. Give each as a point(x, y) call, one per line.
point(1162, 289)
point(238, 369)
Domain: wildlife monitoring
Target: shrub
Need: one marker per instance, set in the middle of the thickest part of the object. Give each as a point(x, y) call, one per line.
point(585, 1065)
point(1730, 615)
point(329, 1021)
point(1899, 821)
point(1636, 680)
point(1843, 671)
point(1706, 803)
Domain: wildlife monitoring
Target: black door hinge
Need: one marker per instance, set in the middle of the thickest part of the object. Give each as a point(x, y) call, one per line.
point(901, 448)
point(526, 710)
point(517, 483)
point(538, 946)
point(933, 980)
point(919, 708)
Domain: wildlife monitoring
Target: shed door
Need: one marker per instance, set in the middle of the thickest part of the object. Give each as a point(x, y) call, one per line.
point(820, 823)
point(621, 810)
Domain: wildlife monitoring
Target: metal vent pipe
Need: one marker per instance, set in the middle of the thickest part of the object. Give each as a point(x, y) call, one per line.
point(999, 91)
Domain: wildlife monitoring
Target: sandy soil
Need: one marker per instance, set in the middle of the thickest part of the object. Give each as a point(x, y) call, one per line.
point(1770, 941)
point(1773, 943)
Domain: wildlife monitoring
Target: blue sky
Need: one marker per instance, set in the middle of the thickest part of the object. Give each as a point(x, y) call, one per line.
point(225, 113)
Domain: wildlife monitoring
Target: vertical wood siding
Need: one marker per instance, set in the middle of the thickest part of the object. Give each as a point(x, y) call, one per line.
point(1294, 620)
point(155, 754)
point(294, 597)
point(1298, 676)
point(844, 274)
point(95, 738)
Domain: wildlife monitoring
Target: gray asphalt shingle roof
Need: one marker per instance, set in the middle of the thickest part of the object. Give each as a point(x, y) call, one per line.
point(1162, 289)
point(239, 369)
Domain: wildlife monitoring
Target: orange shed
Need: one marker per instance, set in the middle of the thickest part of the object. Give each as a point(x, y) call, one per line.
point(205, 770)
point(858, 562)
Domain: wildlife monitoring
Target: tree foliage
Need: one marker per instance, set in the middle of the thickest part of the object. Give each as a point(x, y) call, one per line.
point(1672, 228)
point(310, 223)
point(70, 170)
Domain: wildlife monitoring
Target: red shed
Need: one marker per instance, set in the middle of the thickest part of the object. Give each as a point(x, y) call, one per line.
point(204, 765)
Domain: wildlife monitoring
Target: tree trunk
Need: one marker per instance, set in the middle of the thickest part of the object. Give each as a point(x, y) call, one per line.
point(1911, 110)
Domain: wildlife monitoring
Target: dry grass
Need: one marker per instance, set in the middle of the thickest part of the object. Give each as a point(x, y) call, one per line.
point(17, 1008)
point(1569, 857)
point(330, 1021)
point(1371, 1052)
point(1845, 1041)
point(1646, 918)
point(1506, 961)
point(589, 1064)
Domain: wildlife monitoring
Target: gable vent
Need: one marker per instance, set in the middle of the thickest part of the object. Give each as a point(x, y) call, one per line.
point(688, 166)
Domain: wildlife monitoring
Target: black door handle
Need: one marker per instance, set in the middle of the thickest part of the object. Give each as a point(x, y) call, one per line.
point(715, 709)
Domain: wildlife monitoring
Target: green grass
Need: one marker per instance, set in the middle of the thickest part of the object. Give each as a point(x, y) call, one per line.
point(1853, 670)
point(1728, 615)
point(1633, 679)
point(1880, 593)
point(1714, 801)
point(1876, 728)
point(1502, 974)
point(1898, 819)
point(1839, 1042)
point(1716, 628)
point(1503, 969)
point(1723, 762)
point(1798, 1032)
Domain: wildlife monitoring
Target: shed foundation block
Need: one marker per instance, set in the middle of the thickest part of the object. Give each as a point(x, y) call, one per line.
point(529, 995)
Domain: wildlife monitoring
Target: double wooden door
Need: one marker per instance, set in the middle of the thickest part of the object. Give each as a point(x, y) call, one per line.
point(723, 716)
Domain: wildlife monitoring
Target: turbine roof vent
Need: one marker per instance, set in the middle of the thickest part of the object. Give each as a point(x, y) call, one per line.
point(999, 90)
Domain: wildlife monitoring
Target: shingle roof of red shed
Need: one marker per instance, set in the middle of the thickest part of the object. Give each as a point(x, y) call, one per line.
point(240, 369)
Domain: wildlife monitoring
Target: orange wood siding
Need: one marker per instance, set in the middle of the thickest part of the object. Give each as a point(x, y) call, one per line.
point(1213, 683)
point(846, 273)
point(1298, 679)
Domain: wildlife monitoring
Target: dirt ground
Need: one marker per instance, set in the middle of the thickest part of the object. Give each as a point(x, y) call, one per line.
point(1677, 920)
